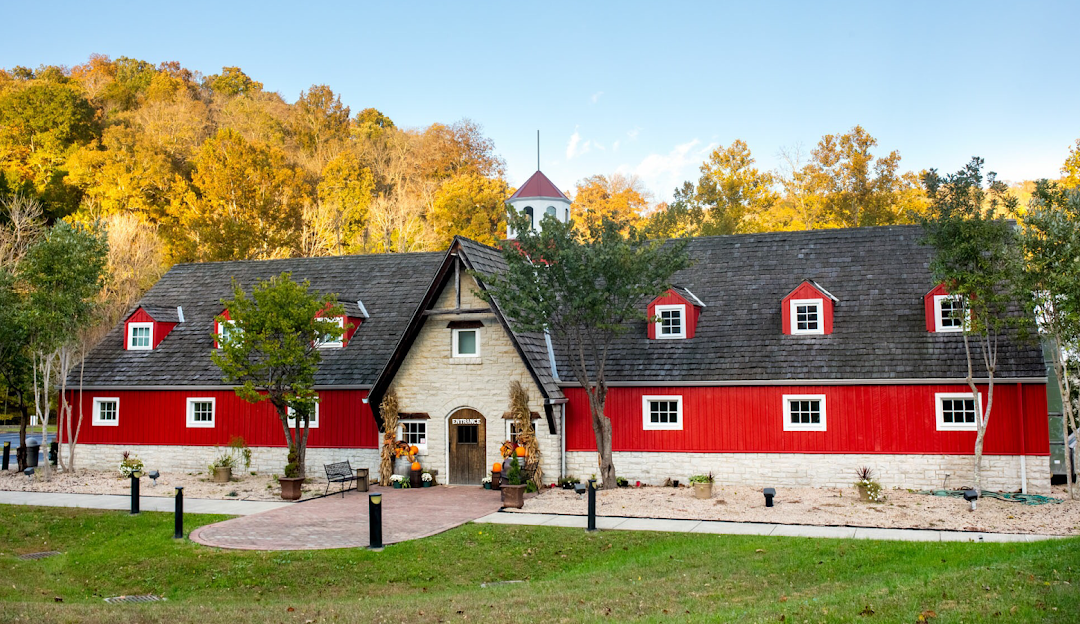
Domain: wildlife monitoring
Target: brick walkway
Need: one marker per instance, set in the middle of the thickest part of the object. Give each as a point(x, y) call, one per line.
point(336, 522)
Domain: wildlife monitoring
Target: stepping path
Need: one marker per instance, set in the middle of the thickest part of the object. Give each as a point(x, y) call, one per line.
point(146, 503)
point(758, 528)
point(342, 522)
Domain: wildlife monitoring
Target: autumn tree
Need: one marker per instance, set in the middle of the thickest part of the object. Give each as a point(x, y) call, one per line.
point(473, 206)
point(232, 81)
point(583, 289)
point(1071, 169)
point(337, 222)
point(320, 124)
point(618, 198)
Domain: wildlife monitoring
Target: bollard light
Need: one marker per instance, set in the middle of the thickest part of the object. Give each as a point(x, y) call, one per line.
point(592, 506)
point(971, 496)
point(769, 494)
point(155, 475)
point(178, 514)
point(375, 522)
point(29, 472)
point(7, 456)
point(135, 492)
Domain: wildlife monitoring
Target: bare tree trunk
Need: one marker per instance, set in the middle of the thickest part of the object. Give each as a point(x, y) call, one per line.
point(20, 453)
point(602, 431)
point(1061, 372)
point(73, 440)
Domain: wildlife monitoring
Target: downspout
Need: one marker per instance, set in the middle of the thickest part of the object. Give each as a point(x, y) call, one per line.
point(562, 439)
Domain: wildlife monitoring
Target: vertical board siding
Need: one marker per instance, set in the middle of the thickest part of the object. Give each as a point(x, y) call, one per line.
point(859, 419)
point(160, 417)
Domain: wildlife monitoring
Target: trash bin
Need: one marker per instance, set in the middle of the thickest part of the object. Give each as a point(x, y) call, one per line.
point(32, 449)
point(361, 479)
point(54, 450)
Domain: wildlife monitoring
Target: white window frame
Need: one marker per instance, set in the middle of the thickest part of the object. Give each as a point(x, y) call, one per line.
point(427, 434)
point(131, 335)
point(191, 422)
point(681, 309)
point(940, 412)
point(646, 422)
point(454, 342)
point(97, 421)
point(790, 426)
point(221, 330)
point(335, 344)
point(795, 303)
point(938, 327)
point(313, 422)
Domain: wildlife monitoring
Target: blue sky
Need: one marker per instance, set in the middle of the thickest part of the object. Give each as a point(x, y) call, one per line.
point(645, 88)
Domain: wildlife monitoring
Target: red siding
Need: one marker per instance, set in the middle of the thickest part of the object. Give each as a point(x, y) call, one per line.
point(931, 311)
point(859, 419)
point(670, 298)
point(806, 291)
point(160, 329)
point(160, 417)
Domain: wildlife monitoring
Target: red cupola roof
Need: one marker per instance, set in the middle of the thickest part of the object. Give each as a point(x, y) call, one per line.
point(539, 186)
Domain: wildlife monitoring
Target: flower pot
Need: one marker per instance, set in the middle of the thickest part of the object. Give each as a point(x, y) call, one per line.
point(290, 487)
point(222, 474)
point(703, 490)
point(675, 483)
point(513, 496)
point(864, 493)
point(397, 485)
point(415, 479)
point(402, 466)
point(427, 483)
point(487, 486)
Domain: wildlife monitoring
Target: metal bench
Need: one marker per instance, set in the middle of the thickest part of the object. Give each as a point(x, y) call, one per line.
point(339, 472)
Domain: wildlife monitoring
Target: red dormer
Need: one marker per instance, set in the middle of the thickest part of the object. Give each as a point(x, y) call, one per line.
point(808, 310)
point(355, 313)
point(147, 326)
point(943, 311)
point(676, 313)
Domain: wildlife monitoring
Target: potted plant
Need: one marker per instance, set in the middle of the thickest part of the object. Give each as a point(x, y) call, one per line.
point(291, 482)
point(568, 482)
point(130, 464)
point(513, 493)
point(396, 481)
point(221, 469)
point(425, 478)
point(702, 485)
point(869, 488)
point(486, 482)
point(415, 470)
point(622, 482)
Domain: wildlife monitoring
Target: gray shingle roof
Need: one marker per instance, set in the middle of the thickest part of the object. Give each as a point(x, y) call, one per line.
point(389, 285)
point(879, 276)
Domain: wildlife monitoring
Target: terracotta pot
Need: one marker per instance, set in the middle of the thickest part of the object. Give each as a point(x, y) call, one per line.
point(703, 490)
point(290, 487)
point(513, 496)
point(222, 474)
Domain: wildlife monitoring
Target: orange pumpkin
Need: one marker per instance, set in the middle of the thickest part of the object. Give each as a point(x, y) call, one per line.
point(520, 451)
point(496, 467)
point(413, 450)
point(416, 465)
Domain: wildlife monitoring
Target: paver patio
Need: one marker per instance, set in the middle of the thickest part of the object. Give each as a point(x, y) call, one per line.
point(336, 522)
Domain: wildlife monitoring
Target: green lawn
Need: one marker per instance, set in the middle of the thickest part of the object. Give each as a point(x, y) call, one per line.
point(570, 576)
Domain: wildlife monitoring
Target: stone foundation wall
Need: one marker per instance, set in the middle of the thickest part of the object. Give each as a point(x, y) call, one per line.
point(1000, 472)
point(192, 459)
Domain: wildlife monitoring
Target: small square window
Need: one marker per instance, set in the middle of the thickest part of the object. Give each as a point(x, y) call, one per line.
point(958, 412)
point(227, 330)
point(806, 316)
point(950, 313)
point(325, 341)
point(140, 336)
point(661, 413)
point(804, 412)
point(670, 321)
point(414, 433)
point(106, 412)
point(200, 412)
point(313, 420)
point(468, 434)
point(466, 342)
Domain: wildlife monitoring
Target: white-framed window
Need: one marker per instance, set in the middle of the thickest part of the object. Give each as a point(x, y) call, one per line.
point(807, 316)
point(413, 433)
point(949, 313)
point(106, 412)
point(671, 321)
point(660, 413)
point(958, 411)
point(804, 412)
point(140, 336)
point(226, 330)
point(512, 431)
point(313, 421)
point(324, 341)
point(466, 342)
point(200, 411)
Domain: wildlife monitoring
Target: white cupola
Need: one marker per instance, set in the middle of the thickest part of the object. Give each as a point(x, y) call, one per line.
point(539, 197)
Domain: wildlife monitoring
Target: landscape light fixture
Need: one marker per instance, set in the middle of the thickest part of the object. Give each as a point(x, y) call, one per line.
point(154, 474)
point(769, 493)
point(971, 496)
point(29, 472)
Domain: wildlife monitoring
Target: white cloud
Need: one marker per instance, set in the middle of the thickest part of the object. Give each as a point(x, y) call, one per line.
point(662, 173)
point(633, 132)
point(596, 96)
point(575, 147)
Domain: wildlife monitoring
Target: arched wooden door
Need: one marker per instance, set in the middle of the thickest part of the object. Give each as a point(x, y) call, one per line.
point(468, 457)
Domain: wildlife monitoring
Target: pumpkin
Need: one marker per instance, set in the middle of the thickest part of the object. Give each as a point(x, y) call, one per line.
point(413, 450)
point(416, 465)
point(520, 451)
point(496, 467)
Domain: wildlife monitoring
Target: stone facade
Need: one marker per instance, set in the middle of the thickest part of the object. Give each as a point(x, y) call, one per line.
point(1000, 472)
point(430, 380)
point(190, 459)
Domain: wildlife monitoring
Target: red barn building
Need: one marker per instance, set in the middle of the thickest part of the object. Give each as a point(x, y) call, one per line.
point(784, 358)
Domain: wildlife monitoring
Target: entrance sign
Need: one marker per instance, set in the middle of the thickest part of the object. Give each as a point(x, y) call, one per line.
point(465, 421)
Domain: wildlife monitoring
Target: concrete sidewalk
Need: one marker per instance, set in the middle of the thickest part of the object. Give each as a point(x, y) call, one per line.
point(757, 528)
point(146, 503)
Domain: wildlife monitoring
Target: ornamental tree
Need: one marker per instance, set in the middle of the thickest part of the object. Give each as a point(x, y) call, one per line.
point(979, 260)
point(584, 295)
point(271, 351)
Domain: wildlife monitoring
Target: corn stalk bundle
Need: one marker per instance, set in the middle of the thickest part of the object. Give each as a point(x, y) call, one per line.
point(389, 410)
point(519, 411)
